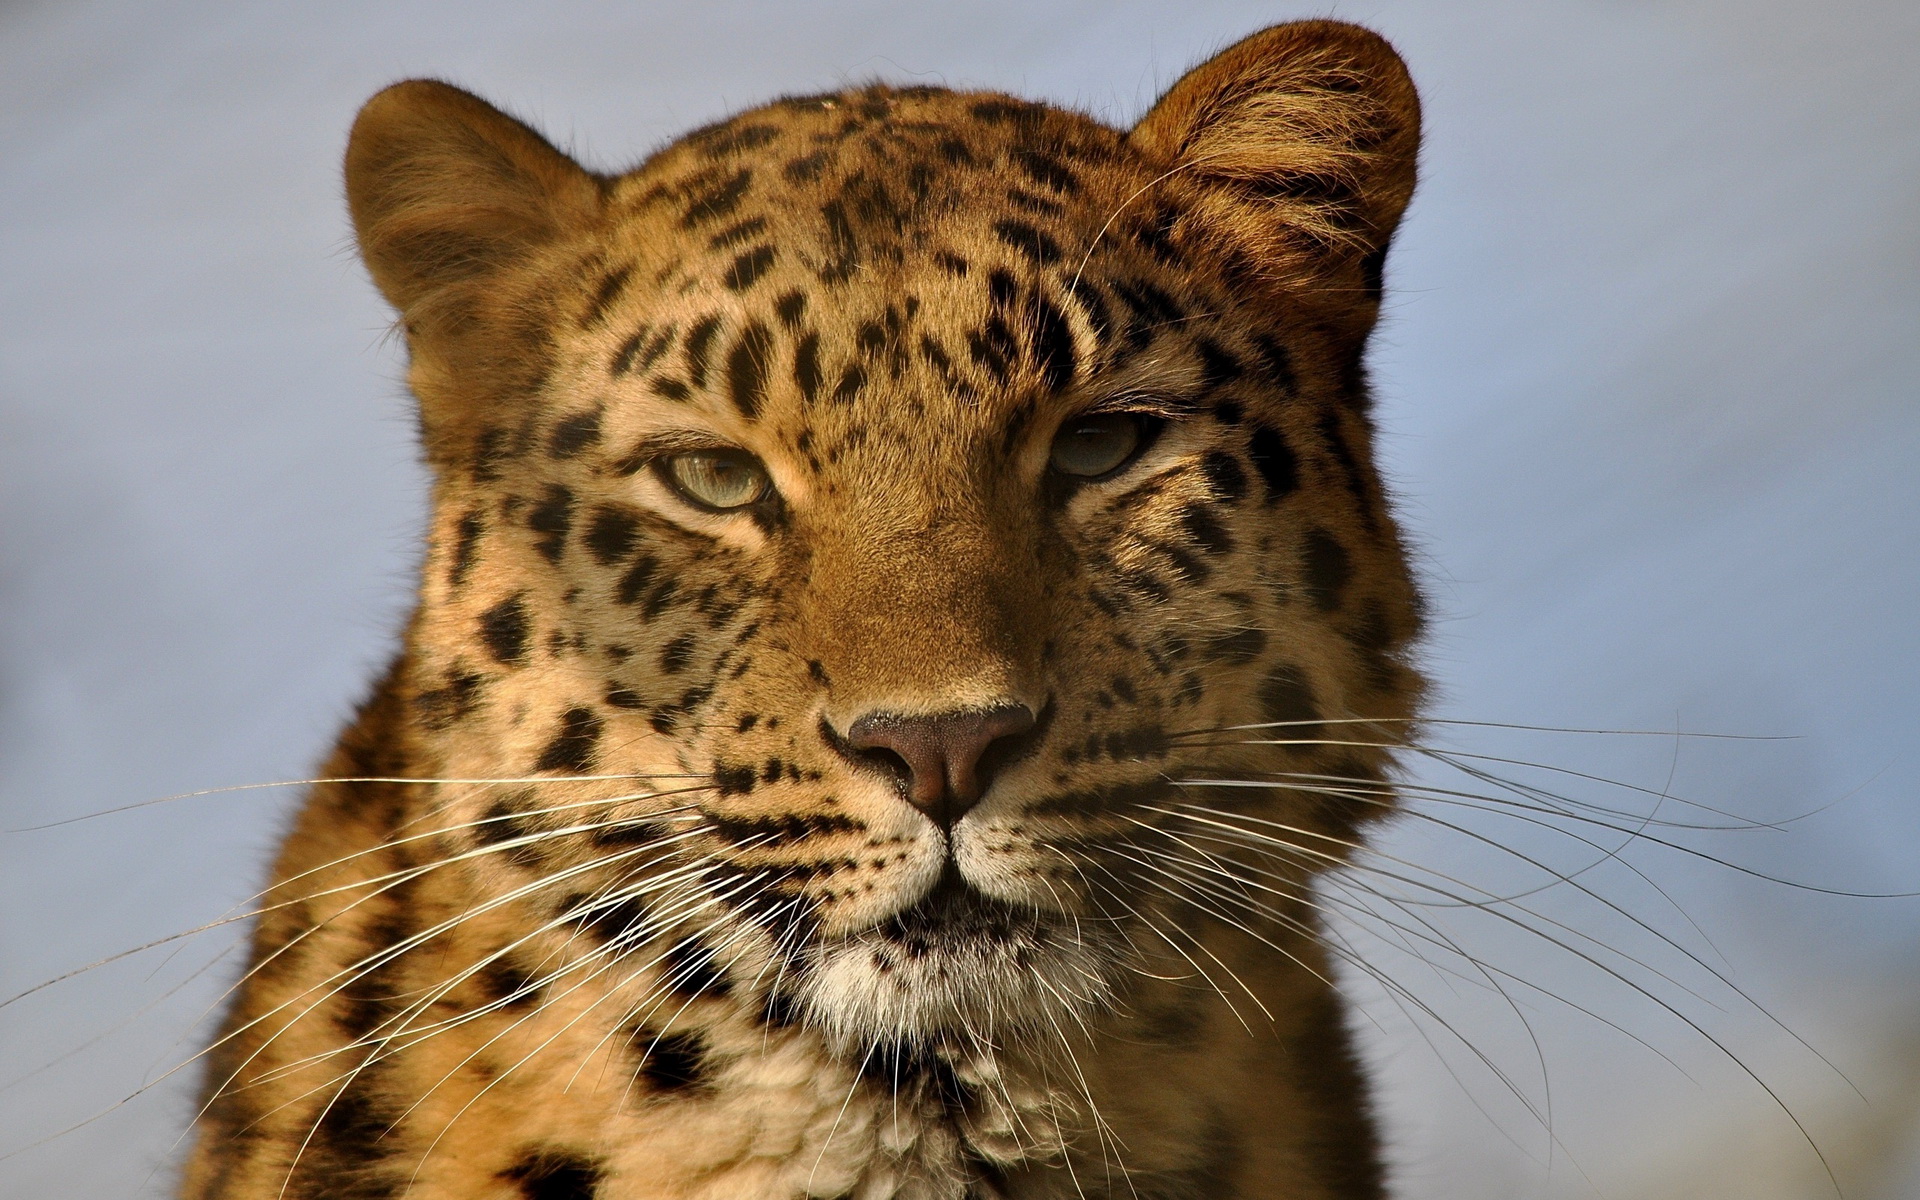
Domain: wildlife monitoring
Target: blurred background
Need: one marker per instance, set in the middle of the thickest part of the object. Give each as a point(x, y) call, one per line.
point(1650, 387)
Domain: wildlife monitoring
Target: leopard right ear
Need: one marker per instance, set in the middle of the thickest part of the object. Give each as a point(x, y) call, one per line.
point(447, 194)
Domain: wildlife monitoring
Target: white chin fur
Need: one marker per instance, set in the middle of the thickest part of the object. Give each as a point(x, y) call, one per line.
point(871, 988)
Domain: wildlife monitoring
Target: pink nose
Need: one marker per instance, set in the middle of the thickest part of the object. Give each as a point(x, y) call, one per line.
point(941, 754)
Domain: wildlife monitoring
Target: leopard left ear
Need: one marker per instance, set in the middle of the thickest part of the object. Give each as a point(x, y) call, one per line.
point(1304, 138)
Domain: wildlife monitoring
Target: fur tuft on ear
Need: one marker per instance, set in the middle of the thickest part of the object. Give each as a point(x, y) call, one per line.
point(447, 191)
point(1303, 137)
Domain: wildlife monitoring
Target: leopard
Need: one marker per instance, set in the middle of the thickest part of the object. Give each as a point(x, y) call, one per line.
point(909, 613)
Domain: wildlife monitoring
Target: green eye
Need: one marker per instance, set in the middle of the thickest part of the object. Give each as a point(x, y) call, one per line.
point(1099, 443)
point(722, 480)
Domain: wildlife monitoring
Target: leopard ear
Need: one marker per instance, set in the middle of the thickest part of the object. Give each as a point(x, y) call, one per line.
point(1303, 138)
point(447, 192)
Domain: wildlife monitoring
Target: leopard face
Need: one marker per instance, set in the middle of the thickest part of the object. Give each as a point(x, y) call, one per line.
point(872, 536)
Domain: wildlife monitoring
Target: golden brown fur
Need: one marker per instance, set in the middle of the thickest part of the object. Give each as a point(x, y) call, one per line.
point(608, 899)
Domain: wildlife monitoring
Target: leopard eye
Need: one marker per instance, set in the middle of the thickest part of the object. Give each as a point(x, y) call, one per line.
point(719, 480)
point(1098, 444)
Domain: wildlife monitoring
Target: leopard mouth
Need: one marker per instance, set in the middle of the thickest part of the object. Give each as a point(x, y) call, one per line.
point(956, 964)
point(954, 913)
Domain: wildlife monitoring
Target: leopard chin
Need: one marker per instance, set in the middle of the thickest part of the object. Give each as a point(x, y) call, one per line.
point(958, 967)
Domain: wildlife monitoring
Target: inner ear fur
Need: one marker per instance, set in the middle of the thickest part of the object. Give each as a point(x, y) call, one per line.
point(1303, 139)
point(456, 205)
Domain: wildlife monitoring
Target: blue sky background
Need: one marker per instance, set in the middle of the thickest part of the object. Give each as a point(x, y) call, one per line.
point(1650, 384)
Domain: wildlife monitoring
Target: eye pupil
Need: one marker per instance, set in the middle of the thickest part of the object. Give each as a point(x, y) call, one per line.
point(1097, 444)
point(717, 479)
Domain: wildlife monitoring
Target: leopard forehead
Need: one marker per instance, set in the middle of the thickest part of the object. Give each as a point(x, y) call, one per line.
point(854, 272)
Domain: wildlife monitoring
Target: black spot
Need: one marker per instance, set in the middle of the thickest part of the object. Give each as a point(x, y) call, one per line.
point(1052, 344)
point(617, 923)
point(851, 381)
point(806, 366)
point(998, 112)
point(629, 350)
point(1095, 309)
point(1217, 367)
point(790, 307)
point(1035, 245)
point(574, 434)
point(1152, 309)
point(1286, 696)
point(1205, 529)
point(504, 629)
point(457, 698)
point(351, 1145)
point(1002, 288)
point(699, 346)
point(664, 596)
point(549, 1174)
point(1228, 412)
point(611, 533)
point(723, 140)
point(718, 200)
point(818, 672)
point(633, 358)
point(607, 293)
point(1327, 569)
point(465, 540)
point(627, 831)
point(733, 235)
point(747, 368)
point(676, 654)
point(785, 830)
point(808, 168)
point(843, 250)
point(551, 519)
point(1332, 430)
point(748, 268)
point(1046, 170)
point(572, 748)
point(733, 780)
point(951, 263)
point(781, 1011)
point(1026, 201)
point(489, 452)
point(505, 985)
point(1275, 461)
point(635, 581)
point(689, 970)
point(671, 389)
point(1275, 360)
point(1153, 233)
point(673, 1062)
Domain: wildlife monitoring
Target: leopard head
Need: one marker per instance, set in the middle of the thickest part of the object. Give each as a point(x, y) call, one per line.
point(891, 547)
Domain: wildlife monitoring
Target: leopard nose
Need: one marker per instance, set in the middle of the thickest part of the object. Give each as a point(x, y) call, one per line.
point(943, 754)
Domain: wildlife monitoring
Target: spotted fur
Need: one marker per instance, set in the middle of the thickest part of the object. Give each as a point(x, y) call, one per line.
point(605, 902)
